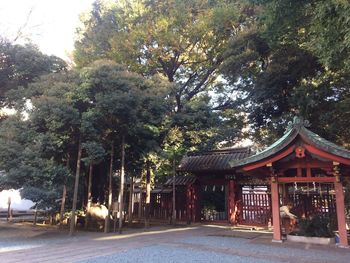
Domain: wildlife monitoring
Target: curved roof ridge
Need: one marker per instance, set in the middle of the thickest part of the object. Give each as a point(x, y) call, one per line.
point(222, 151)
point(324, 144)
point(277, 146)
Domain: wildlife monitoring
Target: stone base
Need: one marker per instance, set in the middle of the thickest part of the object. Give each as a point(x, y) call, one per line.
point(312, 240)
point(277, 241)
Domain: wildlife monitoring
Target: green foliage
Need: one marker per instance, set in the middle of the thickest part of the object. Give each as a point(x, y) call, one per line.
point(25, 165)
point(94, 152)
point(182, 40)
point(170, 77)
point(286, 65)
point(317, 226)
point(319, 26)
point(21, 65)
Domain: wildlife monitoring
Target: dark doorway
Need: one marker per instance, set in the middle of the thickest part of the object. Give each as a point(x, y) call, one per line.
point(213, 205)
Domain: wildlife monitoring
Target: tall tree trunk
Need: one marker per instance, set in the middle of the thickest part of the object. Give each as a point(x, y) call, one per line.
point(121, 191)
point(89, 195)
point(148, 193)
point(63, 202)
point(64, 193)
point(110, 197)
point(173, 218)
point(75, 194)
point(131, 199)
point(35, 215)
point(8, 209)
point(139, 212)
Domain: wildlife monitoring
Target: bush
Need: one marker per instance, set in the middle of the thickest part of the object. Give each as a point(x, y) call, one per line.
point(317, 226)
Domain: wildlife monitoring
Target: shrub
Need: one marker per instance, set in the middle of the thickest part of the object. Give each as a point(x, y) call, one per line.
point(317, 226)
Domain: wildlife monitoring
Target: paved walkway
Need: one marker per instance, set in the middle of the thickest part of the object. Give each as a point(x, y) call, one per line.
point(158, 244)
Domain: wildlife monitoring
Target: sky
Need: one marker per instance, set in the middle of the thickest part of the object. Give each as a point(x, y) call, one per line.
point(17, 203)
point(51, 23)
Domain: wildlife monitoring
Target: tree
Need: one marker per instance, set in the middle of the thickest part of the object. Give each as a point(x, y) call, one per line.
point(21, 65)
point(94, 153)
point(26, 166)
point(130, 106)
point(277, 71)
point(183, 40)
point(322, 27)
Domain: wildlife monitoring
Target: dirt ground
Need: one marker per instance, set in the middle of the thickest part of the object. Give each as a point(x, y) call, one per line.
point(196, 243)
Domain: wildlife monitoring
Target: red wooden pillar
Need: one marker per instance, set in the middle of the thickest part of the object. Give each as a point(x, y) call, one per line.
point(231, 202)
point(339, 199)
point(188, 204)
point(196, 203)
point(277, 237)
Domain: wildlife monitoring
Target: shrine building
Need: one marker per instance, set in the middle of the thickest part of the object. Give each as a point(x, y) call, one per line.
point(237, 186)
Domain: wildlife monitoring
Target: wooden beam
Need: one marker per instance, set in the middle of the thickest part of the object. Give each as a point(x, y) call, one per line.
point(308, 172)
point(269, 160)
point(308, 164)
point(306, 179)
point(326, 155)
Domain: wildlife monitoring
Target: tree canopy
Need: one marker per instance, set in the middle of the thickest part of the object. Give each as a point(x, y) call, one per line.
point(22, 64)
point(159, 78)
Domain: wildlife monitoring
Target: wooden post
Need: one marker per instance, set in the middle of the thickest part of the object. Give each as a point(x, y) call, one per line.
point(339, 199)
point(197, 203)
point(189, 204)
point(148, 193)
point(231, 202)
point(277, 237)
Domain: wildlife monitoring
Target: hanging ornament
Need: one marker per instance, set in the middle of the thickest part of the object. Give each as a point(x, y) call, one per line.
point(214, 188)
point(307, 190)
point(314, 186)
point(294, 190)
point(222, 188)
point(205, 188)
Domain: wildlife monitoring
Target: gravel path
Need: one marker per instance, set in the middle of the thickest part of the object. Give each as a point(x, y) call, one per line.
point(158, 244)
point(163, 253)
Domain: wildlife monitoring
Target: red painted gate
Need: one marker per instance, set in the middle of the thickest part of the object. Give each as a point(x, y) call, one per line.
point(255, 206)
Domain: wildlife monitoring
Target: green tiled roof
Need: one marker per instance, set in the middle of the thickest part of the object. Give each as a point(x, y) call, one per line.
point(323, 144)
point(277, 146)
point(230, 159)
point(296, 128)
